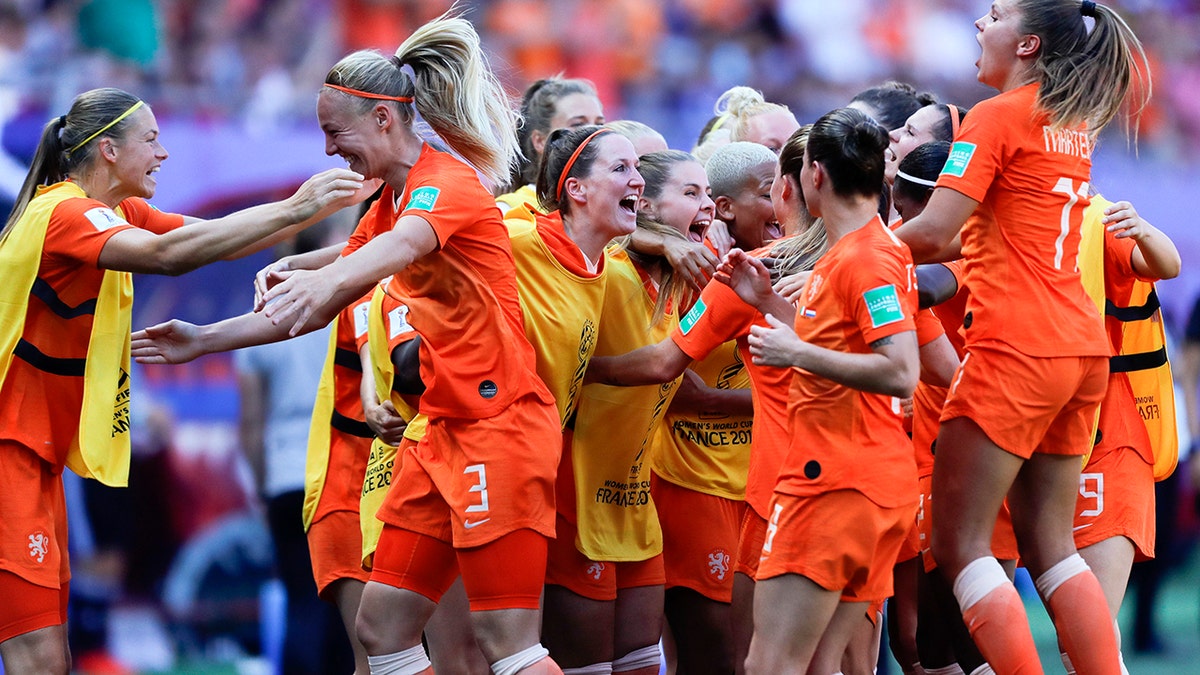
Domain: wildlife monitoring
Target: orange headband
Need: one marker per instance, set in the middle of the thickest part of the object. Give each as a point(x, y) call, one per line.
point(571, 162)
point(954, 120)
point(367, 94)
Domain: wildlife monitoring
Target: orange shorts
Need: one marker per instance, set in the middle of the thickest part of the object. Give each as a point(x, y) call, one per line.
point(33, 518)
point(841, 540)
point(700, 536)
point(596, 579)
point(1027, 404)
point(471, 481)
point(1004, 539)
point(505, 573)
point(335, 546)
point(1116, 499)
point(750, 543)
point(28, 607)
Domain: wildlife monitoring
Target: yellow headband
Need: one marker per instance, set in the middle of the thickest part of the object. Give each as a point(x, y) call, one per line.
point(106, 127)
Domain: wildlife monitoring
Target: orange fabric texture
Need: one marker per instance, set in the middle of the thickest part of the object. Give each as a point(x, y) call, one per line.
point(750, 542)
point(841, 540)
point(859, 292)
point(717, 317)
point(335, 547)
point(507, 573)
point(470, 481)
point(1084, 625)
point(1001, 630)
point(1116, 499)
point(700, 537)
point(1027, 404)
point(1022, 243)
point(38, 409)
point(349, 437)
point(503, 574)
point(28, 607)
point(33, 518)
point(475, 359)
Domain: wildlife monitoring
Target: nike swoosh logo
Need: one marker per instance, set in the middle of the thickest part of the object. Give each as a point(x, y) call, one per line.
point(468, 524)
point(1080, 527)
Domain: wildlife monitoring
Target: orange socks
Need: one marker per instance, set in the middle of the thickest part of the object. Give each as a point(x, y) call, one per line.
point(994, 614)
point(1081, 617)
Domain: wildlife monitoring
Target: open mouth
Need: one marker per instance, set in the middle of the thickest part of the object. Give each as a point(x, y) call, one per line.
point(629, 204)
point(773, 230)
point(697, 229)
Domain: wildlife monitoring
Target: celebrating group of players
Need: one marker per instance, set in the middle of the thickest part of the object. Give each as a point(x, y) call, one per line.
point(748, 393)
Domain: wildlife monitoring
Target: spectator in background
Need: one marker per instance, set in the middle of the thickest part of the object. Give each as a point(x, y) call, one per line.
point(277, 384)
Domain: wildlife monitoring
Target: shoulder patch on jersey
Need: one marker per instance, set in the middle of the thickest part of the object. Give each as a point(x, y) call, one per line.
point(423, 198)
point(103, 218)
point(398, 322)
point(960, 156)
point(883, 304)
point(693, 315)
point(362, 314)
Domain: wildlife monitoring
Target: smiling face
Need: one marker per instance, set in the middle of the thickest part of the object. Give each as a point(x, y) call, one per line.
point(917, 129)
point(139, 154)
point(999, 38)
point(750, 211)
point(356, 138)
point(611, 187)
point(684, 202)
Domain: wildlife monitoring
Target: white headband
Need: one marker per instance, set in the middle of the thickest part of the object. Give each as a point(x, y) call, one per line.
point(914, 179)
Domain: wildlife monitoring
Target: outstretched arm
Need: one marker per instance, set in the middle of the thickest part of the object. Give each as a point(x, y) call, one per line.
point(201, 242)
point(652, 364)
point(310, 298)
point(179, 341)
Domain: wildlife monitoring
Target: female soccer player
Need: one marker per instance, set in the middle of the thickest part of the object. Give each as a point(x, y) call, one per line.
point(1023, 404)
point(836, 521)
point(80, 225)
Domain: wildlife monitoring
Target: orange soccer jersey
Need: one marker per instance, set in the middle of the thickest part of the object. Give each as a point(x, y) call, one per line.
point(475, 358)
point(844, 438)
point(42, 393)
point(487, 462)
point(718, 317)
point(1022, 243)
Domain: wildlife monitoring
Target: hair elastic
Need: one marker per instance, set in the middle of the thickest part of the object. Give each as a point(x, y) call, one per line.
point(571, 162)
point(955, 120)
point(1088, 8)
point(104, 128)
point(914, 179)
point(371, 95)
